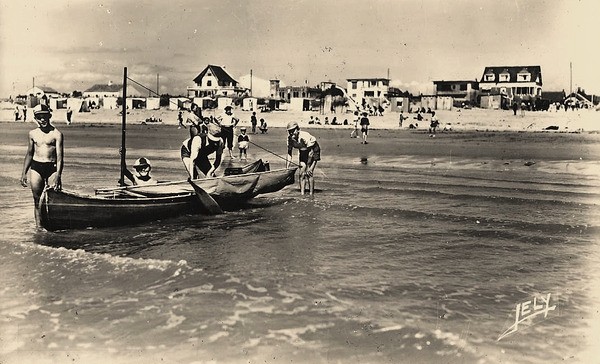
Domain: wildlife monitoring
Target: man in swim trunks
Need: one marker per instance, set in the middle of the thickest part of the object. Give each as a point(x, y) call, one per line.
point(309, 154)
point(44, 157)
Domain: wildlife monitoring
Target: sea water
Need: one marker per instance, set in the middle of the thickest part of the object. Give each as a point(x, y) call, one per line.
point(394, 260)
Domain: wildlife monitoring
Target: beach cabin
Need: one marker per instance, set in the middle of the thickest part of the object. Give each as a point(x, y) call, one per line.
point(152, 103)
point(249, 104)
point(222, 102)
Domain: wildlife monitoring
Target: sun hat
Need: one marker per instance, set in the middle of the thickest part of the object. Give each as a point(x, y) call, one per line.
point(41, 109)
point(292, 125)
point(243, 128)
point(141, 162)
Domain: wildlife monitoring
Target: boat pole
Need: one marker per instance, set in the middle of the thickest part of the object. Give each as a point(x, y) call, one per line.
point(123, 128)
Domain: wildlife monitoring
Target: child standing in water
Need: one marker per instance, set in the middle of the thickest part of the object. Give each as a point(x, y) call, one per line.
point(243, 141)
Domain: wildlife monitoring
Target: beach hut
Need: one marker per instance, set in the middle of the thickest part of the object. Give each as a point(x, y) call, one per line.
point(444, 102)
point(153, 103)
point(136, 103)
point(249, 104)
point(109, 102)
point(399, 104)
point(224, 101)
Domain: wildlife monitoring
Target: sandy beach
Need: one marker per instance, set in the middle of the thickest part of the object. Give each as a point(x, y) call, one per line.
point(580, 120)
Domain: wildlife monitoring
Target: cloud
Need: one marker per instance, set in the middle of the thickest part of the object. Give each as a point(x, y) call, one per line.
point(414, 87)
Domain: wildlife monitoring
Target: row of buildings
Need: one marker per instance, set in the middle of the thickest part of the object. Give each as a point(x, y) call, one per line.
point(498, 87)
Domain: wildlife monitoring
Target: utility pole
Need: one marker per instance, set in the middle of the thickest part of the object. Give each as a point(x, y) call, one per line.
point(570, 78)
point(157, 87)
point(250, 82)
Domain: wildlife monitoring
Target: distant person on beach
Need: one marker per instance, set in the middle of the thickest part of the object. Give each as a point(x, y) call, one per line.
point(354, 133)
point(197, 149)
point(311, 120)
point(180, 120)
point(69, 115)
point(44, 157)
point(228, 122)
point(17, 113)
point(263, 126)
point(364, 128)
point(253, 122)
point(142, 175)
point(24, 112)
point(401, 119)
point(243, 142)
point(515, 106)
point(434, 123)
point(309, 153)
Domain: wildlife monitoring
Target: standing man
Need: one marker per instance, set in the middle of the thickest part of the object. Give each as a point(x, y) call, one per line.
point(69, 115)
point(309, 153)
point(180, 120)
point(228, 122)
point(253, 121)
point(364, 128)
point(24, 113)
point(44, 157)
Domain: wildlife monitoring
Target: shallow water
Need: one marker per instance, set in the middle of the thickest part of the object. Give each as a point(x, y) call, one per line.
point(396, 259)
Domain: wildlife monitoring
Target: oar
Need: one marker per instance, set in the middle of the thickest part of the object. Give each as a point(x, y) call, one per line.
point(211, 205)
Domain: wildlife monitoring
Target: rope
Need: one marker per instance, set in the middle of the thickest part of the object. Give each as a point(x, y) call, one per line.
point(275, 154)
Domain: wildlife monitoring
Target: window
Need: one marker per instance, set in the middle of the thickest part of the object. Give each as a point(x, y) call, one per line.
point(354, 85)
point(504, 77)
point(369, 93)
point(295, 94)
point(524, 77)
point(489, 77)
point(209, 83)
point(373, 83)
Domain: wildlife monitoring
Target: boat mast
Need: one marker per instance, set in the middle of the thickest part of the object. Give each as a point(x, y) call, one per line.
point(123, 128)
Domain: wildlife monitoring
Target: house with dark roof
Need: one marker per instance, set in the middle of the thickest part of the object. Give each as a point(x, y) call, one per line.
point(460, 91)
point(215, 81)
point(513, 83)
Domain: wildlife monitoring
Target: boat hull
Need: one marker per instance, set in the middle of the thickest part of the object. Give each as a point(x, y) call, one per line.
point(68, 210)
point(225, 189)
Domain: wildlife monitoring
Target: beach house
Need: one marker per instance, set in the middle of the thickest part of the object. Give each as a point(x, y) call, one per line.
point(511, 83)
point(368, 91)
point(461, 92)
point(215, 81)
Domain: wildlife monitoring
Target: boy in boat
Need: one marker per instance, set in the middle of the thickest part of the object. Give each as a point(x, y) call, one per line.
point(196, 150)
point(44, 157)
point(142, 175)
point(243, 141)
point(309, 154)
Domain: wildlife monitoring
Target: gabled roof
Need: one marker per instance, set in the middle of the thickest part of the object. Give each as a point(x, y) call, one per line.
point(513, 71)
point(48, 90)
point(105, 88)
point(218, 72)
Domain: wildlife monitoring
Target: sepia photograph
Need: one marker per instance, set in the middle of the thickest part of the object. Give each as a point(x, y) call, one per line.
point(299, 181)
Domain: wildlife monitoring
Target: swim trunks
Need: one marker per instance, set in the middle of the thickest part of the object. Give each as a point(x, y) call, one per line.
point(44, 169)
point(303, 154)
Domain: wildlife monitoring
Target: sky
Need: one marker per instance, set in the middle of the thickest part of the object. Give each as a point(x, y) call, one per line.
point(71, 45)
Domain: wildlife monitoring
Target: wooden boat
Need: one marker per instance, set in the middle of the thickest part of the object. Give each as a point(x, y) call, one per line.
point(69, 210)
point(230, 188)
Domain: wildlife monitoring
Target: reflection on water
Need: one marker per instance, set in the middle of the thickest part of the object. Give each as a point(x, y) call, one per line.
point(411, 264)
